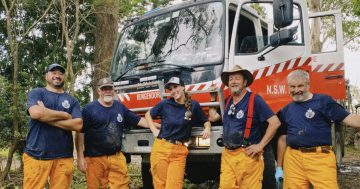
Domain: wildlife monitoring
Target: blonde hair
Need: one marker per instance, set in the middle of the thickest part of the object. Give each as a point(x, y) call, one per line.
point(188, 105)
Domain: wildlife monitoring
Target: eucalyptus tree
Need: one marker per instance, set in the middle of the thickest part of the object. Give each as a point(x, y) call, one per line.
point(110, 14)
point(351, 22)
point(17, 30)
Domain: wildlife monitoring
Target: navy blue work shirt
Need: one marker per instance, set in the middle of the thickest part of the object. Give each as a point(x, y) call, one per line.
point(308, 124)
point(234, 124)
point(43, 140)
point(103, 127)
point(174, 126)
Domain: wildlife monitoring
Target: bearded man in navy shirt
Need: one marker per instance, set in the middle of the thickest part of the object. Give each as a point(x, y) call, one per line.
point(305, 149)
point(49, 143)
point(104, 121)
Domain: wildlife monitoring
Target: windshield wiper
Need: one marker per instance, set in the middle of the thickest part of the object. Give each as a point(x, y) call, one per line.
point(189, 68)
point(137, 65)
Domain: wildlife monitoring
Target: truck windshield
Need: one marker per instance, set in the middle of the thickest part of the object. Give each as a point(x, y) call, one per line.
point(192, 36)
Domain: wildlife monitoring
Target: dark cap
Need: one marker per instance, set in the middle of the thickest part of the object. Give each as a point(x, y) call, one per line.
point(174, 81)
point(237, 69)
point(52, 67)
point(105, 82)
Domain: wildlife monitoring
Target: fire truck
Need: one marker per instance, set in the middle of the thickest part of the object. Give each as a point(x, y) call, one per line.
point(197, 40)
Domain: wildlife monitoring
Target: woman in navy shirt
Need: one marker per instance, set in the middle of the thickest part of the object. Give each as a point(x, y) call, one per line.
point(178, 115)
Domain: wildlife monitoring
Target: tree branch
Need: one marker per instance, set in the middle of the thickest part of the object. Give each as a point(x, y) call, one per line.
point(37, 21)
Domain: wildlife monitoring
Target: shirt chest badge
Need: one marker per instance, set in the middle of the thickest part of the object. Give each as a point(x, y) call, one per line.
point(240, 114)
point(309, 113)
point(65, 104)
point(188, 115)
point(119, 118)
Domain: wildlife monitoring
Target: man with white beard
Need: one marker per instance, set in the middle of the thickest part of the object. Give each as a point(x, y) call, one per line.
point(104, 121)
point(242, 164)
point(305, 145)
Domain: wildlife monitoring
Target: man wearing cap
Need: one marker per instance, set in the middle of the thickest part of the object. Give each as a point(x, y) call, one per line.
point(306, 143)
point(104, 121)
point(242, 163)
point(49, 144)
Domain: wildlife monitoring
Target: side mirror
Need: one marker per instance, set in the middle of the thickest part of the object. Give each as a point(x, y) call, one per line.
point(282, 37)
point(283, 13)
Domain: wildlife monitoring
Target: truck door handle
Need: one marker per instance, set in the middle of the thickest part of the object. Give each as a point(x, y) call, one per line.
point(334, 77)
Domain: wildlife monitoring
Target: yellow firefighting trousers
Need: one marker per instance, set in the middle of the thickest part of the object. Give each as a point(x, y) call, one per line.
point(240, 171)
point(37, 172)
point(107, 171)
point(318, 168)
point(168, 164)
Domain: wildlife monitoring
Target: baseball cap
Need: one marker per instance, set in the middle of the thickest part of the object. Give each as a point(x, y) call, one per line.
point(105, 82)
point(54, 66)
point(174, 81)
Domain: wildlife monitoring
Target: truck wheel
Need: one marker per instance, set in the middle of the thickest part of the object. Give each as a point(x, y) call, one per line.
point(200, 172)
point(146, 176)
point(269, 168)
point(339, 144)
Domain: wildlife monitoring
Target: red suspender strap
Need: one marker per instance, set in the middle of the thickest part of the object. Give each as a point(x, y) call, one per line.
point(250, 116)
point(227, 102)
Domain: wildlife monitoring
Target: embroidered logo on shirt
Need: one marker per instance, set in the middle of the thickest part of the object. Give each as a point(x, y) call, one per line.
point(119, 118)
point(309, 113)
point(240, 114)
point(65, 104)
point(188, 115)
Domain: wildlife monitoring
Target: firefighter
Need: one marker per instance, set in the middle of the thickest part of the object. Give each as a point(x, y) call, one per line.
point(306, 146)
point(242, 162)
point(178, 115)
point(49, 143)
point(104, 120)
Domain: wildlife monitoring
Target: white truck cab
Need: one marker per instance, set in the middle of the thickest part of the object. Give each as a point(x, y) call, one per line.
point(198, 39)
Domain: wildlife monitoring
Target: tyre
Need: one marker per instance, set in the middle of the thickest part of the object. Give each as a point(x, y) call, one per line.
point(339, 144)
point(146, 176)
point(269, 168)
point(200, 172)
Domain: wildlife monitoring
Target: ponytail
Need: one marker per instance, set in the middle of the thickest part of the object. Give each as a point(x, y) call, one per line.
point(188, 106)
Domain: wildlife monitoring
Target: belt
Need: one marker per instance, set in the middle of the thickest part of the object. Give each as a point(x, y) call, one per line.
point(236, 147)
point(322, 149)
point(172, 141)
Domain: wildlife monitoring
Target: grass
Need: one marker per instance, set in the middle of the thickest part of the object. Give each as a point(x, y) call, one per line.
point(4, 152)
point(351, 150)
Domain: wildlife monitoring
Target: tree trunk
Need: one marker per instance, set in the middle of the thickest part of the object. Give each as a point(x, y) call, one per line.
point(70, 41)
point(11, 13)
point(316, 44)
point(10, 157)
point(14, 53)
point(106, 34)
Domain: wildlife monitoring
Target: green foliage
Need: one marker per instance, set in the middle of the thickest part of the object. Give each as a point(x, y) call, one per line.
point(351, 22)
point(356, 7)
point(79, 180)
point(259, 9)
point(5, 112)
point(6, 129)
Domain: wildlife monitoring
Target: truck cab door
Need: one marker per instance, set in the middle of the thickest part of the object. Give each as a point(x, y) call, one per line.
point(327, 54)
point(250, 48)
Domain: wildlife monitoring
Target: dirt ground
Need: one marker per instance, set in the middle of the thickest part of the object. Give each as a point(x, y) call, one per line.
point(349, 173)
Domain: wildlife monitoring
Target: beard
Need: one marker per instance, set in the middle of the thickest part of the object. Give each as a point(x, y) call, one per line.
point(235, 92)
point(60, 85)
point(107, 98)
point(300, 96)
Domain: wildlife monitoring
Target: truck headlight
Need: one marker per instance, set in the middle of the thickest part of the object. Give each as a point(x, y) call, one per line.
point(199, 142)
